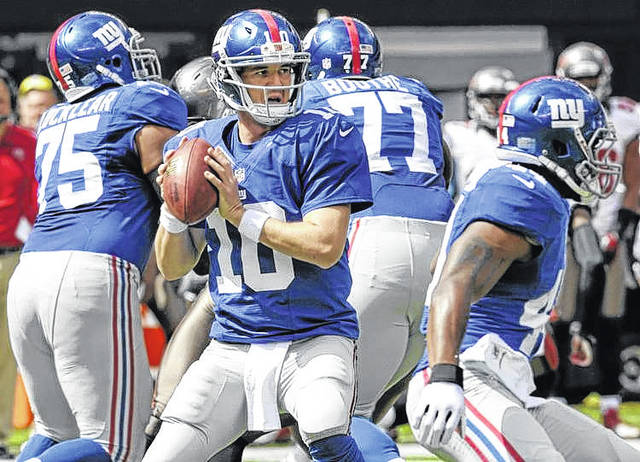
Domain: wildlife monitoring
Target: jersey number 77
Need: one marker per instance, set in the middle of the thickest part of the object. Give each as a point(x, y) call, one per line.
point(378, 108)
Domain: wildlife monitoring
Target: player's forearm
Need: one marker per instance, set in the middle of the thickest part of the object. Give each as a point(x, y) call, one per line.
point(304, 241)
point(176, 253)
point(448, 314)
point(318, 239)
point(476, 261)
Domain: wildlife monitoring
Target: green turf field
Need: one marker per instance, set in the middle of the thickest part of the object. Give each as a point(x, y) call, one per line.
point(629, 412)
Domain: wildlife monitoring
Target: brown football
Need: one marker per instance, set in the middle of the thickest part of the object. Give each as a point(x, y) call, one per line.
point(187, 193)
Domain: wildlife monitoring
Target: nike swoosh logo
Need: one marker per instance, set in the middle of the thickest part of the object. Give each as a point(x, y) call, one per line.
point(162, 91)
point(345, 132)
point(528, 183)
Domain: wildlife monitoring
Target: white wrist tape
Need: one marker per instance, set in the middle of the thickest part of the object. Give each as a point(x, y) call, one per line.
point(169, 222)
point(252, 223)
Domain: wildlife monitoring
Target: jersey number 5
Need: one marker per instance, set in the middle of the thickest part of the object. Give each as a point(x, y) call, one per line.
point(57, 143)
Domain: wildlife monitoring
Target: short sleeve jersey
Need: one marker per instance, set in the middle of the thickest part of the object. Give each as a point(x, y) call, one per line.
point(399, 122)
point(310, 161)
point(519, 305)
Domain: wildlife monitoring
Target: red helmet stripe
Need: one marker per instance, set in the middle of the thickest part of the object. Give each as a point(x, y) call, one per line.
point(354, 38)
point(53, 58)
point(274, 32)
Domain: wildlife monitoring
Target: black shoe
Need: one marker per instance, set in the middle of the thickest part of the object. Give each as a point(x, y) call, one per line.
point(5, 454)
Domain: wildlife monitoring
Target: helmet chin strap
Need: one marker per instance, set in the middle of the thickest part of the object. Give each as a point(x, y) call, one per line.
point(586, 196)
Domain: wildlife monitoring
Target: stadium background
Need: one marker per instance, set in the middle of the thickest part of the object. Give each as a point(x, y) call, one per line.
point(441, 42)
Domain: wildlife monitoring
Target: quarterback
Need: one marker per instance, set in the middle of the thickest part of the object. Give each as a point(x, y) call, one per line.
point(284, 334)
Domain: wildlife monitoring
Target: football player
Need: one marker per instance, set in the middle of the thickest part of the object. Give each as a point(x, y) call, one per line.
point(78, 338)
point(496, 282)
point(191, 336)
point(614, 219)
point(392, 243)
point(473, 142)
point(284, 334)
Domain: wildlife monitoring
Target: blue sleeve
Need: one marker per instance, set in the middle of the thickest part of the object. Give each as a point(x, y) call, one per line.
point(172, 143)
point(312, 96)
point(426, 95)
point(337, 172)
point(157, 104)
point(509, 203)
point(193, 131)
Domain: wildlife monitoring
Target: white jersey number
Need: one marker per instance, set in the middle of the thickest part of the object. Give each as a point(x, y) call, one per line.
point(536, 314)
point(374, 105)
point(57, 141)
point(228, 282)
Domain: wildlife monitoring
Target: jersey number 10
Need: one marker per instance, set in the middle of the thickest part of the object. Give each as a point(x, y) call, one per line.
point(228, 281)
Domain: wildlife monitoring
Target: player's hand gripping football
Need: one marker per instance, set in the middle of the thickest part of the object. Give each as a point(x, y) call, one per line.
point(229, 204)
point(440, 412)
point(162, 168)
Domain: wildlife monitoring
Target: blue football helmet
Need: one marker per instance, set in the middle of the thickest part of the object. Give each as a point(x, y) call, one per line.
point(93, 49)
point(343, 47)
point(257, 38)
point(559, 124)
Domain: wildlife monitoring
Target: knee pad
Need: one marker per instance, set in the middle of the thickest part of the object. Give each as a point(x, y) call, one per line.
point(327, 417)
point(337, 448)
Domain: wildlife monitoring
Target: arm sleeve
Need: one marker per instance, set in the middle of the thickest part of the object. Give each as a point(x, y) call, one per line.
point(154, 104)
point(337, 172)
point(511, 204)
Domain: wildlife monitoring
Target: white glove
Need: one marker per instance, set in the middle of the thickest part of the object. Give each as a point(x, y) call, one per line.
point(440, 410)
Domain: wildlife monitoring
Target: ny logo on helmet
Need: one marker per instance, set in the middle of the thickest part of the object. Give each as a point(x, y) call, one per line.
point(110, 35)
point(566, 113)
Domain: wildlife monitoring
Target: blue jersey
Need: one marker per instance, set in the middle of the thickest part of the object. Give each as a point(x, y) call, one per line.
point(311, 161)
point(93, 195)
point(518, 306)
point(399, 121)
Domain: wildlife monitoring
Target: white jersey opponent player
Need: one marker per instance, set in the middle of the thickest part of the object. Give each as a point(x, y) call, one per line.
point(495, 284)
point(614, 219)
point(78, 338)
point(392, 243)
point(473, 142)
point(284, 334)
